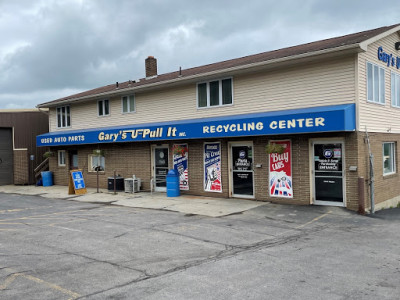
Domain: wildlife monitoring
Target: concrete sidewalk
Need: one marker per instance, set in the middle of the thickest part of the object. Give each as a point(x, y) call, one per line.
point(197, 205)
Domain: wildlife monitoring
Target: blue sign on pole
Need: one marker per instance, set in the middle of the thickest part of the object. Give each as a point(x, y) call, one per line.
point(306, 120)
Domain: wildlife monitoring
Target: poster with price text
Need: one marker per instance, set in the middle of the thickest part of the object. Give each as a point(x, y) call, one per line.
point(280, 171)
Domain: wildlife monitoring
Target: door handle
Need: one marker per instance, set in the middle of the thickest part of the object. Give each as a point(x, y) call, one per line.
point(1, 161)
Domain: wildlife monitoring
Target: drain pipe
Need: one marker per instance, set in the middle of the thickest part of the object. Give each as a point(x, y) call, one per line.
point(371, 173)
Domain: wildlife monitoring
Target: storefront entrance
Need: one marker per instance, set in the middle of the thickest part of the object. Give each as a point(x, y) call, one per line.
point(160, 167)
point(328, 175)
point(241, 170)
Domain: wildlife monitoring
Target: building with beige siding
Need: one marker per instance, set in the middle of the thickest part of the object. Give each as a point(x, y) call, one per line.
point(317, 123)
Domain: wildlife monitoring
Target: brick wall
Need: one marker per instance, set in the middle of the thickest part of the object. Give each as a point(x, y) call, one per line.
point(21, 167)
point(135, 158)
point(386, 187)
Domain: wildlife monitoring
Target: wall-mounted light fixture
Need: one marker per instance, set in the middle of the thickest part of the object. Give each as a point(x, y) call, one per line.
point(397, 45)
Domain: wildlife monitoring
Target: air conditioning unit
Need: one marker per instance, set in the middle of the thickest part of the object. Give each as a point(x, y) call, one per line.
point(132, 185)
point(128, 185)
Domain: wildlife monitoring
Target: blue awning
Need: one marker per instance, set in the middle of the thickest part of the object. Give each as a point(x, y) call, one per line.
point(306, 120)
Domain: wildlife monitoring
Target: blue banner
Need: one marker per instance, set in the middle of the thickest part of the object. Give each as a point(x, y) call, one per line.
point(317, 119)
point(180, 157)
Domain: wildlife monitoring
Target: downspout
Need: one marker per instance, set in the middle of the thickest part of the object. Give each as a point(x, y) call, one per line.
point(371, 174)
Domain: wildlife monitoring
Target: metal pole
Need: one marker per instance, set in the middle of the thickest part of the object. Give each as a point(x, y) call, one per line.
point(97, 173)
point(361, 195)
point(115, 182)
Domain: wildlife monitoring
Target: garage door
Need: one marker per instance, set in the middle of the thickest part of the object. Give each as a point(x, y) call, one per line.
point(6, 156)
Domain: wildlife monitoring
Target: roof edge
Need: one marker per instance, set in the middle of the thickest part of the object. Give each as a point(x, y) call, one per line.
point(21, 110)
point(346, 48)
point(364, 45)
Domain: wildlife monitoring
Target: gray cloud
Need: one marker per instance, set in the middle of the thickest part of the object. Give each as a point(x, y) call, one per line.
point(51, 49)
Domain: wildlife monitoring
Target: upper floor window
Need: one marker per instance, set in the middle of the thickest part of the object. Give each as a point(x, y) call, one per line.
point(214, 93)
point(128, 104)
point(103, 107)
point(63, 116)
point(395, 87)
point(375, 83)
point(389, 163)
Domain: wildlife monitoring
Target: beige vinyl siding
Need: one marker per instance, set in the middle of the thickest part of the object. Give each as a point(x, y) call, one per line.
point(327, 82)
point(378, 117)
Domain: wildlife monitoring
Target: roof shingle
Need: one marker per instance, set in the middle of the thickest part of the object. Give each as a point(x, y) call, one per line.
point(331, 43)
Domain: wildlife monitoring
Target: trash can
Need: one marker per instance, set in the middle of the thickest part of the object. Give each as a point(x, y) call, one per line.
point(119, 183)
point(173, 184)
point(47, 178)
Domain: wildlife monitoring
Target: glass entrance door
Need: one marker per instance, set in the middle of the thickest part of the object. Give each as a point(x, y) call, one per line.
point(160, 168)
point(328, 174)
point(242, 170)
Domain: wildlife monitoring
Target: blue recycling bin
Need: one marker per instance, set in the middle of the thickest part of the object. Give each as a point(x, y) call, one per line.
point(173, 184)
point(47, 178)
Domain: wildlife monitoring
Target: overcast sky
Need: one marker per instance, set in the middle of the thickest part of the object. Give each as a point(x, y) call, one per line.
point(51, 49)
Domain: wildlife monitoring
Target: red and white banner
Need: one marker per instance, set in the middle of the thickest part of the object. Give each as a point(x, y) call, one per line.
point(280, 171)
point(212, 167)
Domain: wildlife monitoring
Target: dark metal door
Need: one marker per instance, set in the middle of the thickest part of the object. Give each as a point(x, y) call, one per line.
point(328, 173)
point(161, 168)
point(242, 170)
point(6, 157)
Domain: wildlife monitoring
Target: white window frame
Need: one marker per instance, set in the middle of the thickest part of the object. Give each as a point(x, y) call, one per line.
point(91, 167)
point(103, 107)
point(392, 158)
point(65, 118)
point(128, 105)
point(208, 93)
point(395, 89)
point(380, 85)
point(61, 158)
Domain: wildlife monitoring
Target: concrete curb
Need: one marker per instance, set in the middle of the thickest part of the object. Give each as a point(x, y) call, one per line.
point(197, 205)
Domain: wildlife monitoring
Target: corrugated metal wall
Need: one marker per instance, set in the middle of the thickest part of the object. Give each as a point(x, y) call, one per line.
point(6, 156)
point(26, 126)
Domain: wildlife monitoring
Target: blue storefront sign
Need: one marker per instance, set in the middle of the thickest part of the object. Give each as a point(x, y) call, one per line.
point(388, 58)
point(307, 120)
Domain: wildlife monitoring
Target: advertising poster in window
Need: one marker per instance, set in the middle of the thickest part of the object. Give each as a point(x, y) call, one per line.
point(280, 170)
point(180, 155)
point(212, 167)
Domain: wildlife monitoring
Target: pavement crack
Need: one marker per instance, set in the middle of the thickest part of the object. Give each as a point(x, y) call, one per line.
point(230, 251)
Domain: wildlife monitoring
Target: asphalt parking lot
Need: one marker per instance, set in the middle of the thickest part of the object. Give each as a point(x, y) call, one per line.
point(65, 249)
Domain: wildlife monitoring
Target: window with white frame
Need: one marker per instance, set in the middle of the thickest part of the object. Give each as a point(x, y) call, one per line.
point(215, 93)
point(128, 104)
point(63, 116)
point(61, 158)
point(375, 83)
point(389, 162)
point(103, 107)
point(395, 87)
point(96, 162)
